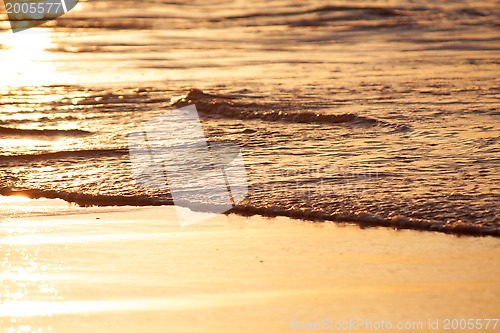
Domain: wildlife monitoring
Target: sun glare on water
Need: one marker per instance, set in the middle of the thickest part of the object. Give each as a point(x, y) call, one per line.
point(17, 146)
point(26, 61)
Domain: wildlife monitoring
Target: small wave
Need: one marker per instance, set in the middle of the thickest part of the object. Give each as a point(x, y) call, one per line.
point(83, 199)
point(379, 11)
point(42, 132)
point(371, 220)
point(42, 119)
point(330, 15)
point(65, 154)
point(222, 106)
point(94, 23)
point(362, 219)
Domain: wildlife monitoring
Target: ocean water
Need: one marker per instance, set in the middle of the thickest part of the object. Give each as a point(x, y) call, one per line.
point(380, 112)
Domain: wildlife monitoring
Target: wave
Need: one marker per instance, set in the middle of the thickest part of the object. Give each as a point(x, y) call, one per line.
point(83, 199)
point(406, 13)
point(362, 219)
point(42, 132)
point(65, 154)
point(103, 23)
point(223, 106)
point(371, 220)
point(378, 11)
point(44, 119)
point(378, 17)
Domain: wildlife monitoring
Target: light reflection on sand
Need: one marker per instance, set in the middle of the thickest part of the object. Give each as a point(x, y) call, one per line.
point(91, 268)
point(205, 301)
point(213, 278)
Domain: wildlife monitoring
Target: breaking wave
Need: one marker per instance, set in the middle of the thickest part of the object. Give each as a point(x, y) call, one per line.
point(362, 219)
point(224, 106)
point(10, 131)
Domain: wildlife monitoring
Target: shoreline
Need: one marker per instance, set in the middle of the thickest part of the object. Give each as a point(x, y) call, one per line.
point(363, 220)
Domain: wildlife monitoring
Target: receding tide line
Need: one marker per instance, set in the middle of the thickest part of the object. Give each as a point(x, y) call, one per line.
point(362, 219)
point(83, 199)
point(370, 220)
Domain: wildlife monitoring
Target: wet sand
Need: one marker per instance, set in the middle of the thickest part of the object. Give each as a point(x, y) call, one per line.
point(129, 269)
point(404, 90)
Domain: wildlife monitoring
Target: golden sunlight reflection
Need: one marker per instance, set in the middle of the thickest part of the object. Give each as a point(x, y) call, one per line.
point(21, 274)
point(25, 60)
point(13, 199)
point(31, 145)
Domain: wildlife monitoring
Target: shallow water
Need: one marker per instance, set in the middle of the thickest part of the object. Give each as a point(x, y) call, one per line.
point(383, 113)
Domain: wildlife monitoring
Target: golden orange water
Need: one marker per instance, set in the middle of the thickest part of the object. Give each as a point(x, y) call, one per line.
point(27, 60)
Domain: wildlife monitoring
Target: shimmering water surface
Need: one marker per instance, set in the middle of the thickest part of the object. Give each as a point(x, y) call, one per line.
point(380, 112)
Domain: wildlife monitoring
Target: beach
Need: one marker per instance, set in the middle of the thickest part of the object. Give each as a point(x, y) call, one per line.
point(127, 269)
point(348, 153)
point(381, 113)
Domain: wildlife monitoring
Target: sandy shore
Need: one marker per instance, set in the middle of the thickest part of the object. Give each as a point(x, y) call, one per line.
point(133, 269)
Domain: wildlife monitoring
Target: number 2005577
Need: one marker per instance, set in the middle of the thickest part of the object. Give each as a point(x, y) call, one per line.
point(33, 8)
point(469, 324)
